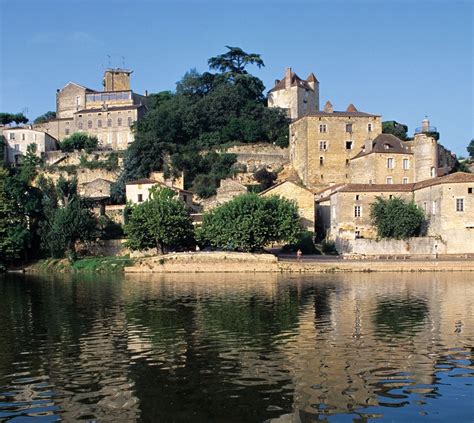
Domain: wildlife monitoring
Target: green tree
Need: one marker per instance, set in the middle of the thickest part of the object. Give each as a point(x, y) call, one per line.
point(6, 118)
point(161, 222)
point(265, 178)
point(234, 61)
point(68, 219)
point(29, 164)
point(398, 129)
point(249, 223)
point(79, 141)
point(14, 231)
point(45, 117)
point(470, 149)
point(396, 218)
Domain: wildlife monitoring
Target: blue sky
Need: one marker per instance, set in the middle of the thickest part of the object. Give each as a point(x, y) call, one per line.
point(403, 59)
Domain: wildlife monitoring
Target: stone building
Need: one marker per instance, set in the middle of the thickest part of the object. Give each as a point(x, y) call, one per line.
point(322, 144)
point(302, 196)
point(17, 140)
point(295, 95)
point(447, 202)
point(139, 190)
point(107, 114)
point(98, 188)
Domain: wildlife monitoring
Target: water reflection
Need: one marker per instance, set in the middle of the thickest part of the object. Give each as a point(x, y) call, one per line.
point(237, 347)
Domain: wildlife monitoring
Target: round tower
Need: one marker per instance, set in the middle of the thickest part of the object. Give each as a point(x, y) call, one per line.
point(425, 157)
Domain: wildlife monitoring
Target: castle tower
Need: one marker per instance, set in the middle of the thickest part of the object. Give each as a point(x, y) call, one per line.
point(425, 157)
point(297, 96)
point(117, 79)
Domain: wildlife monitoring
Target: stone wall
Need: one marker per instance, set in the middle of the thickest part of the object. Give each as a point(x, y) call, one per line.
point(373, 169)
point(256, 156)
point(83, 175)
point(422, 246)
point(115, 212)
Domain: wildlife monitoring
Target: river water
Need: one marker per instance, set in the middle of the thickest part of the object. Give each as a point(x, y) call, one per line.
point(237, 348)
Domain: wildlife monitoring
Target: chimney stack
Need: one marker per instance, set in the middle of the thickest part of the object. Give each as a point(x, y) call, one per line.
point(288, 75)
point(425, 125)
point(328, 107)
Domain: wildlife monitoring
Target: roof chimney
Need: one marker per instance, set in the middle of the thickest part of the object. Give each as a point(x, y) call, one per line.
point(277, 81)
point(351, 108)
point(425, 124)
point(368, 146)
point(328, 107)
point(288, 77)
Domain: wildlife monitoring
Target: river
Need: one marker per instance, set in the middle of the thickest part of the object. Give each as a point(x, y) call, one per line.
point(237, 348)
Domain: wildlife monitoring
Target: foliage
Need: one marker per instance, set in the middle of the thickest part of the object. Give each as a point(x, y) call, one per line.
point(328, 247)
point(68, 218)
point(110, 164)
point(398, 129)
point(161, 222)
point(305, 244)
point(462, 166)
point(6, 118)
point(249, 223)
point(470, 149)
point(13, 222)
point(84, 265)
point(265, 178)
point(30, 163)
point(396, 218)
point(79, 141)
point(109, 229)
point(45, 117)
point(207, 111)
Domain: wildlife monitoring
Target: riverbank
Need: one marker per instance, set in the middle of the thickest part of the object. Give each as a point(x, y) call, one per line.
point(231, 262)
point(89, 264)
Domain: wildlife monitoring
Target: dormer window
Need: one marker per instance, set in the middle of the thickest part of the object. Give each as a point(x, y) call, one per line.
point(386, 146)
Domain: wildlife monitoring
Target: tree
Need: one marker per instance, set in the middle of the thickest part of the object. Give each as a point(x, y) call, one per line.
point(398, 129)
point(396, 218)
point(234, 61)
point(79, 141)
point(470, 149)
point(29, 164)
point(14, 231)
point(249, 223)
point(6, 118)
point(45, 117)
point(68, 219)
point(161, 222)
point(265, 178)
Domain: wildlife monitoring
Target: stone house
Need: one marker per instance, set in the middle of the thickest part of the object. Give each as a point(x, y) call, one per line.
point(107, 114)
point(322, 144)
point(98, 188)
point(296, 96)
point(447, 201)
point(17, 140)
point(139, 190)
point(303, 197)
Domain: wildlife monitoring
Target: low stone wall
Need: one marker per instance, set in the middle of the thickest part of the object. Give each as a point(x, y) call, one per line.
point(422, 246)
point(256, 156)
point(214, 262)
point(108, 247)
point(115, 213)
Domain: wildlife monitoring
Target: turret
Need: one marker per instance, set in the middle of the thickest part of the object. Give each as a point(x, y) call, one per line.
point(425, 156)
point(117, 79)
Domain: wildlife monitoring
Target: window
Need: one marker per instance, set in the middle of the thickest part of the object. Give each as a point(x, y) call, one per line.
point(321, 161)
point(424, 206)
point(23, 137)
point(119, 121)
point(433, 172)
point(109, 122)
point(79, 125)
point(405, 180)
point(11, 136)
point(17, 147)
point(357, 211)
point(349, 127)
point(89, 124)
point(347, 162)
point(139, 198)
point(109, 138)
point(406, 164)
point(323, 145)
point(459, 204)
point(357, 234)
point(323, 128)
point(390, 163)
point(469, 190)
point(348, 145)
point(386, 146)
point(99, 123)
point(66, 131)
point(434, 207)
point(357, 197)
point(389, 180)
point(78, 101)
point(369, 127)
point(130, 121)
point(185, 198)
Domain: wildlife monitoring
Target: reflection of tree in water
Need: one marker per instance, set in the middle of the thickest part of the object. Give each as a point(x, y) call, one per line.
point(322, 306)
point(400, 315)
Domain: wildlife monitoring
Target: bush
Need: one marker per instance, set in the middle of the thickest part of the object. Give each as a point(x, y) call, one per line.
point(396, 218)
point(249, 223)
point(109, 229)
point(79, 141)
point(328, 247)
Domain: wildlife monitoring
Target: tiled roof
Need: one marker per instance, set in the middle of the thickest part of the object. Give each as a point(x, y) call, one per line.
point(295, 81)
point(148, 181)
point(453, 178)
point(338, 114)
point(395, 146)
point(377, 188)
point(293, 181)
point(351, 108)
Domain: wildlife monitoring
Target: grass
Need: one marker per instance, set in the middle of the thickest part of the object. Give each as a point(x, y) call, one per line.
point(90, 264)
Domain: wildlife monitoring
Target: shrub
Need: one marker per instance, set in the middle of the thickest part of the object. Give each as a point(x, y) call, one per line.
point(305, 244)
point(79, 141)
point(328, 247)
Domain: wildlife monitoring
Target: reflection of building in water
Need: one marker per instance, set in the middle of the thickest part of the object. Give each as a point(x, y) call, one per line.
point(361, 341)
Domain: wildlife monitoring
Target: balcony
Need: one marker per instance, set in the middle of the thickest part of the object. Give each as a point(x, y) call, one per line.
point(425, 129)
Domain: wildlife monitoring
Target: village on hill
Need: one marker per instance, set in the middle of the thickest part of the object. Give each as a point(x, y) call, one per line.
point(218, 138)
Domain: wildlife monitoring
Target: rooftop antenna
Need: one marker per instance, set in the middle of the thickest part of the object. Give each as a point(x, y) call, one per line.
point(123, 62)
point(108, 61)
